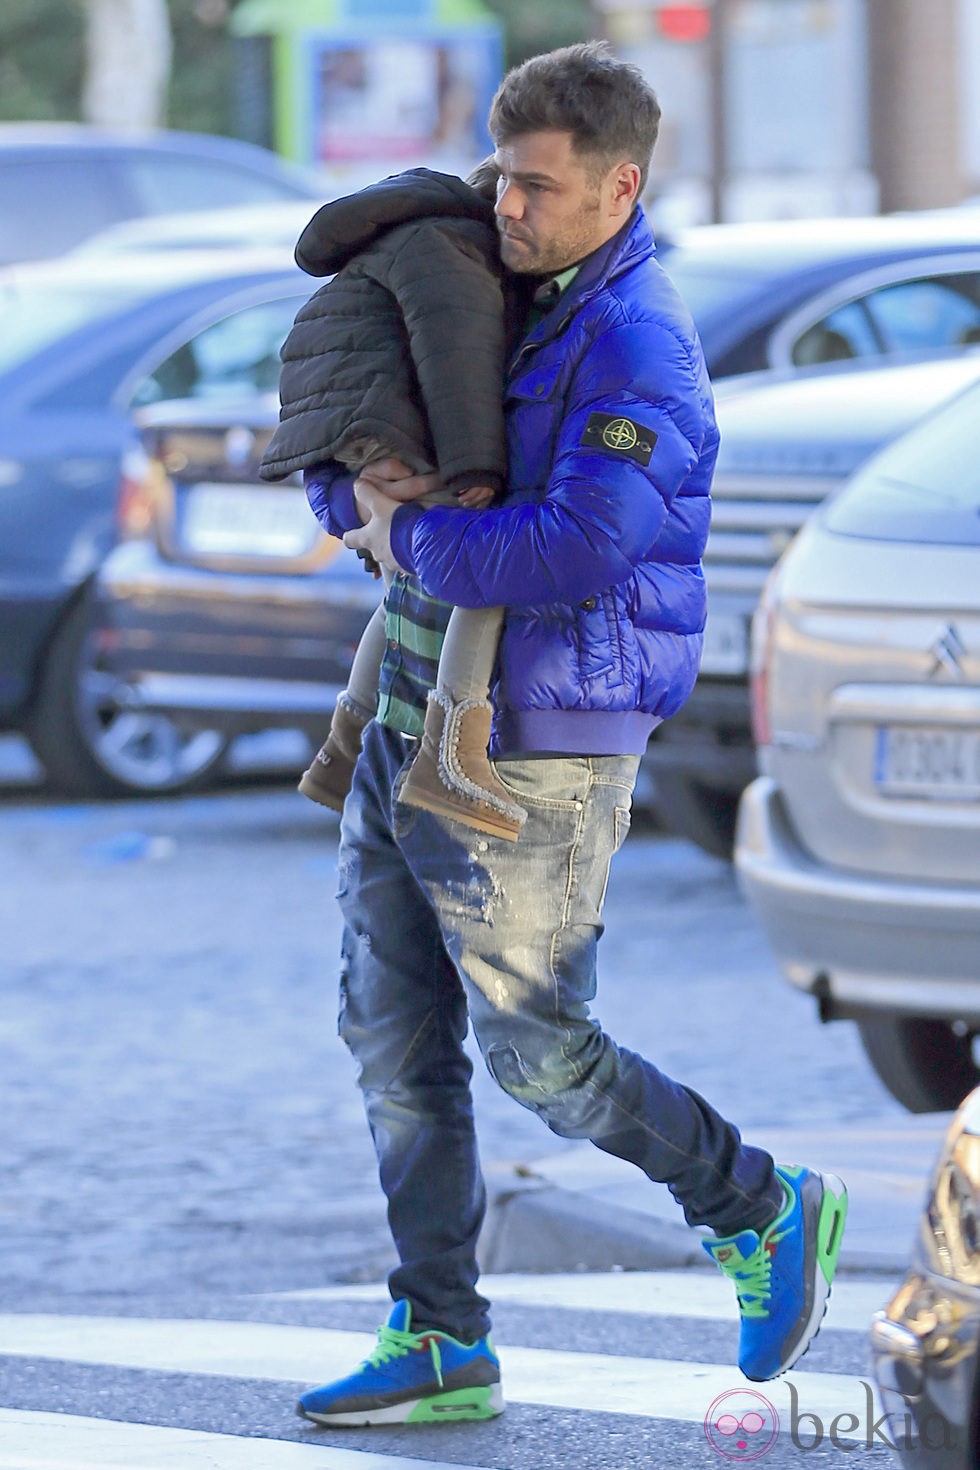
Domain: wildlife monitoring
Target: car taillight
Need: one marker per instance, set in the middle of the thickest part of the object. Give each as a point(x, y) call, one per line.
point(760, 655)
point(135, 499)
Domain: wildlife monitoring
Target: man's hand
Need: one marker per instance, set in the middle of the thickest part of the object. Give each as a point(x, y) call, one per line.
point(376, 509)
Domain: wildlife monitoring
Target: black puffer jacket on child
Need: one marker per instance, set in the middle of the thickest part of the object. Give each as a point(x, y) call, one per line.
point(405, 345)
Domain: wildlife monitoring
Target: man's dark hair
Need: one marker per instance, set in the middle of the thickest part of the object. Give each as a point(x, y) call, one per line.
point(606, 104)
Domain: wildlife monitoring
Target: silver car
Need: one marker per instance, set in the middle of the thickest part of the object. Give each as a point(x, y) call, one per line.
point(859, 844)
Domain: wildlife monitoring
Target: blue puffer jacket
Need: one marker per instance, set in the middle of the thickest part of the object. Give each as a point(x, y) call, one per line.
point(596, 551)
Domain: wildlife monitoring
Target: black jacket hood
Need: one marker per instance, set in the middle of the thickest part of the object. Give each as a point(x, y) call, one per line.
point(345, 227)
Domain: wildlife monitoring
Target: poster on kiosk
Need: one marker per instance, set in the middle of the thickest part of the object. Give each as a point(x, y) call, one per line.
point(363, 88)
point(402, 99)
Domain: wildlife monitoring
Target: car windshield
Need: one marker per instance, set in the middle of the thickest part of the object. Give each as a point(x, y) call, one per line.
point(924, 487)
point(36, 313)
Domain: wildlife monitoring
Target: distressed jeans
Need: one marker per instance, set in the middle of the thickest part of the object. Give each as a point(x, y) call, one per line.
point(444, 927)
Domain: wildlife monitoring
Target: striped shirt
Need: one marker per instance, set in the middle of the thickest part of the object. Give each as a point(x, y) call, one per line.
point(415, 623)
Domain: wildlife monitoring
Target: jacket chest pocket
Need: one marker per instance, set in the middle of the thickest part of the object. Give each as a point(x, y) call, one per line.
point(533, 405)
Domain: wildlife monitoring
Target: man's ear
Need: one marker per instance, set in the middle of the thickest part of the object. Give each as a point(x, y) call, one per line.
point(624, 188)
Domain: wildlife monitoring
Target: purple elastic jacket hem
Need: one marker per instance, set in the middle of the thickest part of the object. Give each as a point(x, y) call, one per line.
point(571, 732)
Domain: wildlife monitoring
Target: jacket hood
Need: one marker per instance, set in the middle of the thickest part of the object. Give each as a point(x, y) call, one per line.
point(344, 227)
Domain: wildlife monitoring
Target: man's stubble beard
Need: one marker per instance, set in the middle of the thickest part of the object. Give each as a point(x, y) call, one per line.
point(558, 254)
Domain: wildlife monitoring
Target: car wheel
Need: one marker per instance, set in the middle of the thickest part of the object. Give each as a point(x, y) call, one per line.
point(91, 744)
point(926, 1064)
point(692, 810)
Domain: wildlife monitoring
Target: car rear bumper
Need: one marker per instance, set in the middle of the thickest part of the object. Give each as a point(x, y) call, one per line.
point(219, 702)
point(862, 944)
point(227, 651)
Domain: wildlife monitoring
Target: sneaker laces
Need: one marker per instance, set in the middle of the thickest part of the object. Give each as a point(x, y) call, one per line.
point(753, 1277)
point(395, 1344)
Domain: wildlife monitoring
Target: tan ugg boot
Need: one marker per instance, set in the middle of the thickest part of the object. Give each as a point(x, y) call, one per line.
point(451, 774)
point(328, 777)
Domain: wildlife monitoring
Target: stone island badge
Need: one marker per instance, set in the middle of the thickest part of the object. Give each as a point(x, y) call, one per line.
point(621, 435)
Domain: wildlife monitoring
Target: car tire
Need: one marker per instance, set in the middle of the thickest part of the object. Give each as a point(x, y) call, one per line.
point(692, 810)
point(91, 744)
point(924, 1063)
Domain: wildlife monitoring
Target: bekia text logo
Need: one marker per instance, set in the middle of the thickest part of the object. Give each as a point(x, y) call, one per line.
point(742, 1425)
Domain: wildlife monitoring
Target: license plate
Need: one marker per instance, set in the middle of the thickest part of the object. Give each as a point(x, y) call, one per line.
point(248, 520)
point(726, 644)
point(915, 760)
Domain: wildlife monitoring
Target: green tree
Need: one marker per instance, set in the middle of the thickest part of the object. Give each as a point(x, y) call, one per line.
point(42, 63)
point(202, 82)
point(42, 56)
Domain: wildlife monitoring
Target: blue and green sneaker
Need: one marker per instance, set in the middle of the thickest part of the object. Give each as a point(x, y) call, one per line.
point(782, 1277)
point(412, 1378)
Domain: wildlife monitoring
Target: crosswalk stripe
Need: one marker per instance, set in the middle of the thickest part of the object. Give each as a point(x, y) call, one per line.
point(652, 1387)
point(30, 1441)
point(703, 1295)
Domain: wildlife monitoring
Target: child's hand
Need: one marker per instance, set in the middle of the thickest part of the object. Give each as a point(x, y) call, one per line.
point(475, 497)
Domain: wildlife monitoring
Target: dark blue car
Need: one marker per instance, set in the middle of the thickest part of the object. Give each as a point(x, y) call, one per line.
point(82, 346)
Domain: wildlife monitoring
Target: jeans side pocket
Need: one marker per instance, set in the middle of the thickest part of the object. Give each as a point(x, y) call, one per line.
point(622, 817)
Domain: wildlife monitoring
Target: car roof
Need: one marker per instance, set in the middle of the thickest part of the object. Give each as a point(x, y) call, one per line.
point(765, 246)
point(45, 136)
point(827, 420)
point(268, 225)
point(233, 225)
point(165, 267)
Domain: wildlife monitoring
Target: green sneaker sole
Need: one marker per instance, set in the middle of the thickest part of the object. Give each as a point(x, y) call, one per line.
point(463, 1403)
point(440, 1408)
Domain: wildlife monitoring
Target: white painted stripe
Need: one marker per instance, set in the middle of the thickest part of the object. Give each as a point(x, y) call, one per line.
point(704, 1295)
point(65, 1442)
point(652, 1387)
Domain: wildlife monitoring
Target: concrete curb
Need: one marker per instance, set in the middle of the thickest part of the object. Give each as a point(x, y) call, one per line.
point(581, 1210)
point(533, 1225)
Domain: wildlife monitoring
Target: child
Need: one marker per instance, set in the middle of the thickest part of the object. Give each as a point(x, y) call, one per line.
point(402, 354)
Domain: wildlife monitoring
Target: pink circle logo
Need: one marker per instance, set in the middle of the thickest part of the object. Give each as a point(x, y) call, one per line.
point(741, 1425)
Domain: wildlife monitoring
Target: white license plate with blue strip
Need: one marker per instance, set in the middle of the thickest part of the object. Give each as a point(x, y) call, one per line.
point(248, 520)
point(929, 761)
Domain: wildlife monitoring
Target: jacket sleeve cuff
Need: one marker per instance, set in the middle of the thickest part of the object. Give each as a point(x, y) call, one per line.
point(331, 497)
point(402, 527)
